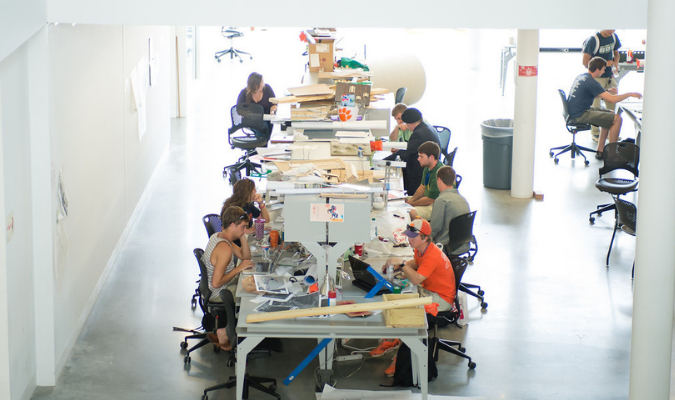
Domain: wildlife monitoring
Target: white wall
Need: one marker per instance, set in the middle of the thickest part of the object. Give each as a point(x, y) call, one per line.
point(523, 14)
point(19, 20)
point(17, 199)
point(66, 106)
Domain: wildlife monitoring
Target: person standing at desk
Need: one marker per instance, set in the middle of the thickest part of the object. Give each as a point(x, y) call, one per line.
point(584, 89)
point(428, 191)
point(421, 132)
point(603, 44)
point(220, 263)
point(258, 92)
point(245, 195)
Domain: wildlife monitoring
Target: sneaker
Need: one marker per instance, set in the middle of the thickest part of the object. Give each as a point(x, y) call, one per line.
point(391, 369)
point(385, 346)
point(595, 138)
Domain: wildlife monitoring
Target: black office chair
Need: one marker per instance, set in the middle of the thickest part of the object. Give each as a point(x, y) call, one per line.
point(618, 156)
point(445, 318)
point(573, 128)
point(248, 131)
point(249, 381)
point(462, 244)
point(400, 93)
point(444, 137)
point(626, 220)
point(458, 180)
point(231, 34)
point(209, 322)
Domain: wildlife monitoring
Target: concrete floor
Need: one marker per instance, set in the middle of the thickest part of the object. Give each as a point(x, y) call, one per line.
point(558, 324)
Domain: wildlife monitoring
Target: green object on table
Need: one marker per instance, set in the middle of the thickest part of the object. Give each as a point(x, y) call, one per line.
point(397, 289)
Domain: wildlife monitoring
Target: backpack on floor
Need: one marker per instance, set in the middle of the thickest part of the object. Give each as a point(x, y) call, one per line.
point(403, 373)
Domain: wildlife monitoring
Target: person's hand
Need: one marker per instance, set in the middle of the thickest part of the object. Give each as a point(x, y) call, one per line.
point(610, 63)
point(636, 95)
point(258, 198)
point(273, 109)
point(402, 127)
point(391, 261)
point(246, 264)
point(250, 230)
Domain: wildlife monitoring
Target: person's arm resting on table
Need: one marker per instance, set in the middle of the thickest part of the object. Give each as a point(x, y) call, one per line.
point(418, 198)
point(615, 98)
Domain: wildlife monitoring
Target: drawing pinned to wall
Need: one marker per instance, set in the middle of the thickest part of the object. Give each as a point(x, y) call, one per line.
point(327, 213)
point(61, 242)
point(139, 84)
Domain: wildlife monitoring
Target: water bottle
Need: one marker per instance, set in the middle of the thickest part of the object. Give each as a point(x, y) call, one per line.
point(259, 228)
point(360, 153)
point(398, 157)
point(373, 228)
point(390, 272)
point(266, 250)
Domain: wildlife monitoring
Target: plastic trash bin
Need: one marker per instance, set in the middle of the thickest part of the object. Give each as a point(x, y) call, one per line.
point(497, 137)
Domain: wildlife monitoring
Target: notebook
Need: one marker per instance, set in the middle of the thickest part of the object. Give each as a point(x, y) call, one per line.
point(363, 279)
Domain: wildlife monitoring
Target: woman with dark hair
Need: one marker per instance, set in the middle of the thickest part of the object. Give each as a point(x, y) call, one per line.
point(244, 195)
point(258, 92)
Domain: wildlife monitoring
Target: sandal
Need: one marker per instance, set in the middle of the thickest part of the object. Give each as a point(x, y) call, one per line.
point(598, 155)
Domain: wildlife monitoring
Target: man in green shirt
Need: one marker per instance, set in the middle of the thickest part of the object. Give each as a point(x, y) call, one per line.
point(423, 199)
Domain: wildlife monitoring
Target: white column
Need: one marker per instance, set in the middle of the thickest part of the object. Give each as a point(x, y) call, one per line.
point(650, 366)
point(525, 113)
point(42, 199)
point(4, 303)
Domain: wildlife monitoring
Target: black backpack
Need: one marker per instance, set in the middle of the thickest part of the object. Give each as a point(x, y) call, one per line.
point(403, 373)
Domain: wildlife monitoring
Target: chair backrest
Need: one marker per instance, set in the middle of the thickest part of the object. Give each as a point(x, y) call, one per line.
point(458, 180)
point(444, 137)
point(400, 93)
point(226, 296)
point(204, 291)
point(450, 158)
point(620, 155)
point(626, 215)
point(212, 224)
point(460, 231)
point(249, 116)
point(566, 110)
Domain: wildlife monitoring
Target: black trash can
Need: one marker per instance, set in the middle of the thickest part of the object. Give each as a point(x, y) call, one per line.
point(497, 137)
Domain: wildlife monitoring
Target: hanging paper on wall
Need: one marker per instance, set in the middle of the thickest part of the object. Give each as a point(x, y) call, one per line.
point(322, 212)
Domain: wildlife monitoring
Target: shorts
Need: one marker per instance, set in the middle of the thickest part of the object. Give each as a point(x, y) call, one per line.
point(436, 298)
point(425, 211)
point(596, 116)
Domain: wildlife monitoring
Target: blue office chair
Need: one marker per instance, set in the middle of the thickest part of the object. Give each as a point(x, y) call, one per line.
point(573, 128)
point(400, 93)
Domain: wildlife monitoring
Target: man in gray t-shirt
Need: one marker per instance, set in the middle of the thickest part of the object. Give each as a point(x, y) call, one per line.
point(448, 205)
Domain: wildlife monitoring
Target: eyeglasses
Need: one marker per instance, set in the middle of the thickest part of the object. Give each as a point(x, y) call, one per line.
point(412, 228)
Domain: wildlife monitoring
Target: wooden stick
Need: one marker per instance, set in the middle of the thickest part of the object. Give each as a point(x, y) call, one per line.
point(344, 195)
point(347, 308)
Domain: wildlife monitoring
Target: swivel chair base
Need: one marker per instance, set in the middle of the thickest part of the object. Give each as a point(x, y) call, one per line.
point(233, 53)
point(600, 209)
point(466, 288)
point(245, 163)
point(574, 150)
point(249, 381)
point(447, 345)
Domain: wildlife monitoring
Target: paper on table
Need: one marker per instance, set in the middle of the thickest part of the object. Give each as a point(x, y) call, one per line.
point(360, 134)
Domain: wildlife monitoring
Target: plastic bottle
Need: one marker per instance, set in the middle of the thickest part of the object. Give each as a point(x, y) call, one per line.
point(373, 228)
point(398, 157)
point(259, 228)
point(360, 153)
point(266, 249)
point(390, 272)
point(332, 298)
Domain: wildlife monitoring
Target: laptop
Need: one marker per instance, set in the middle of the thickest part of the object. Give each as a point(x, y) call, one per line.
point(363, 279)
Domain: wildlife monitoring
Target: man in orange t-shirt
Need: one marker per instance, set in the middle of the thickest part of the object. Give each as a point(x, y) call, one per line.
point(430, 268)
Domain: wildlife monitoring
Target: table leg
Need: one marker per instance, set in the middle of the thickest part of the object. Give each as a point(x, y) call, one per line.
point(419, 350)
point(243, 348)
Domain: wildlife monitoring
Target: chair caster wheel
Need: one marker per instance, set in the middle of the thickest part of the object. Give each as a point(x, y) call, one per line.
point(183, 345)
point(472, 365)
point(591, 220)
point(193, 304)
point(481, 292)
point(205, 397)
point(555, 160)
point(483, 305)
point(187, 360)
point(218, 59)
point(273, 387)
point(586, 163)
point(462, 349)
point(550, 154)
point(230, 363)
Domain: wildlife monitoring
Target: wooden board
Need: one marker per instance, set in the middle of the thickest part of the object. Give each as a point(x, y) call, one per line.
point(348, 149)
point(409, 317)
point(298, 99)
point(310, 90)
point(348, 308)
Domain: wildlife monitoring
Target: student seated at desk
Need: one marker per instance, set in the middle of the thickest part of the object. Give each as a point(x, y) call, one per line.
point(400, 132)
point(258, 92)
point(220, 265)
point(427, 192)
point(245, 195)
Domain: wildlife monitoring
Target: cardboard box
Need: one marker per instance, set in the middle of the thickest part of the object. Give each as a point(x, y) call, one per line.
point(408, 317)
point(321, 55)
